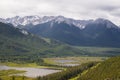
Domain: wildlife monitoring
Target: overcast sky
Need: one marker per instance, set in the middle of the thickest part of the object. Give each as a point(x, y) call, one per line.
point(78, 9)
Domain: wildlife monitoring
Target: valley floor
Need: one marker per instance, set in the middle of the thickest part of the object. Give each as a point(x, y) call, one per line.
point(62, 63)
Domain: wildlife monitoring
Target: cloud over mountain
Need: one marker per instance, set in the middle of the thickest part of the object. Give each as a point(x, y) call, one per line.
point(79, 9)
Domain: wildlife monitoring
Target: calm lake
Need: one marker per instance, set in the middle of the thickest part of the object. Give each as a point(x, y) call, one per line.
point(64, 62)
point(31, 72)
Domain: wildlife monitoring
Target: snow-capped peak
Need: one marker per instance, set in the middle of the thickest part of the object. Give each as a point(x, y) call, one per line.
point(34, 20)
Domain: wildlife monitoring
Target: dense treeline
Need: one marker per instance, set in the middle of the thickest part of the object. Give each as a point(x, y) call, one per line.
point(21, 59)
point(107, 70)
point(68, 73)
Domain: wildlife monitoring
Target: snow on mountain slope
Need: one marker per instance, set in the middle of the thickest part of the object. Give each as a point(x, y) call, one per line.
point(34, 20)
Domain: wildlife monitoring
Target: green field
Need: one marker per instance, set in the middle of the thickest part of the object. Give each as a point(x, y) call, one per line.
point(99, 51)
point(76, 60)
point(4, 75)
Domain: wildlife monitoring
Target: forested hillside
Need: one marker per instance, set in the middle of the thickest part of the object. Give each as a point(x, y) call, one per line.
point(68, 73)
point(107, 70)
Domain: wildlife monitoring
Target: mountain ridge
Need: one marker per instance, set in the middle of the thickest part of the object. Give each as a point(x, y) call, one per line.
point(35, 20)
point(94, 34)
point(100, 32)
point(13, 41)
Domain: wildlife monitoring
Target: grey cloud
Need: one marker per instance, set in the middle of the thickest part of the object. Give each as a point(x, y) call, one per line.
point(78, 9)
point(116, 13)
point(109, 8)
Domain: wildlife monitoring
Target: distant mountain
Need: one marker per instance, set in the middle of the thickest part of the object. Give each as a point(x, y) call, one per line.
point(99, 32)
point(102, 33)
point(15, 42)
point(34, 20)
point(9, 31)
point(62, 32)
point(107, 70)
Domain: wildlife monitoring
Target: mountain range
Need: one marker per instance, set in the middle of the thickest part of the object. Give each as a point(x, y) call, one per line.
point(99, 32)
point(18, 42)
point(34, 20)
point(22, 46)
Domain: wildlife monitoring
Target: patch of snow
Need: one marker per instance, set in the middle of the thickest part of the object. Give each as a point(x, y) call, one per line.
point(34, 20)
point(24, 32)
